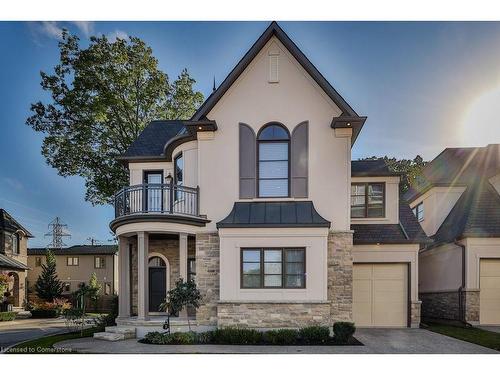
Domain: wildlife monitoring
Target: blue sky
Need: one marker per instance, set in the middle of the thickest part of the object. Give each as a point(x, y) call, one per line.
point(423, 85)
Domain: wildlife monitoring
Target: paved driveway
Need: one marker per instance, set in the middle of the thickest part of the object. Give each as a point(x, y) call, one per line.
point(16, 331)
point(375, 341)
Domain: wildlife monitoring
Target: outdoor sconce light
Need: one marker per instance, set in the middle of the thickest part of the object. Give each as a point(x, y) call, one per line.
point(169, 179)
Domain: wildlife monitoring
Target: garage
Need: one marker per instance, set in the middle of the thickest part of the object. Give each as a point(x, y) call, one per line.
point(380, 294)
point(489, 296)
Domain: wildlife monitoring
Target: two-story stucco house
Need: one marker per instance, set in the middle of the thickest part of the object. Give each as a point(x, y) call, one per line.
point(256, 199)
point(457, 202)
point(13, 257)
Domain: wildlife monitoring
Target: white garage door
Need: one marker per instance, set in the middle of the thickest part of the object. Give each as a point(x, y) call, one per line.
point(380, 295)
point(489, 296)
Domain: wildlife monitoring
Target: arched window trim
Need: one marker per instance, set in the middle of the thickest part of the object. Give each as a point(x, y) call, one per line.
point(259, 141)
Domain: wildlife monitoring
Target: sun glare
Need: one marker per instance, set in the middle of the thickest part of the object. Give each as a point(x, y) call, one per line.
point(481, 124)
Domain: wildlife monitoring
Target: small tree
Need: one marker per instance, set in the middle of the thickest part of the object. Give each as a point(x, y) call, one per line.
point(4, 284)
point(95, 289)
point(79, 295)
point(184, 294)
point(48, 286)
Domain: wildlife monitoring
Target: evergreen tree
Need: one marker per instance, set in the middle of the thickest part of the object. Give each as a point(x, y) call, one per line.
point(48, 286)
point(95, 289)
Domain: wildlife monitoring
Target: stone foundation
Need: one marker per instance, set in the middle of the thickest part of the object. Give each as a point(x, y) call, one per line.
point(207, 276)
point(272, 315)
point(446, 305)
point(340, 276)
point(415, 310)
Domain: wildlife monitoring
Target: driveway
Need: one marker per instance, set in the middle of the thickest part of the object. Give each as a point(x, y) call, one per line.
point(378, 341)
point(16, 331)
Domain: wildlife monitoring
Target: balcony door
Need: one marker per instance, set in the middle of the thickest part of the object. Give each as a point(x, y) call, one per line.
point(153, 192)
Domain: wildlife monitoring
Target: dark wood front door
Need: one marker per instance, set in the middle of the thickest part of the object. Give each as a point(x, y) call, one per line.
point(157, 287)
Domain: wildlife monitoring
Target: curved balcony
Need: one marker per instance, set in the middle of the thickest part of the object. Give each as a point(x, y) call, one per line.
point(157, 202)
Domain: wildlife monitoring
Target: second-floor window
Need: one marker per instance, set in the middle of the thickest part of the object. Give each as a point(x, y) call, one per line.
point(273, 150)
point(418, 211)
point(178, 174)
point(367, 200)
point(72, 261)
point(99, 262)
point(15, 243)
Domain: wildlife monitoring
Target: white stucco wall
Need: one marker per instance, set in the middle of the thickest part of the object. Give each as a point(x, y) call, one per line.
point(391, 200)
point(314, 240)
point(441, 269)
point(477, 249)
point(391, 254)
point(438, 202)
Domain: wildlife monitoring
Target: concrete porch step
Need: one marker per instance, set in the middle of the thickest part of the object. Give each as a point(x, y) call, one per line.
point(116, 333)
point(107, 336)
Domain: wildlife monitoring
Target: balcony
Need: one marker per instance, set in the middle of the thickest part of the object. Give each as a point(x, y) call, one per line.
point(157, 202)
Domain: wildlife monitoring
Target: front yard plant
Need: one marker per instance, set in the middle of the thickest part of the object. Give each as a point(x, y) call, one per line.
point(314, 335)
point(7, 316)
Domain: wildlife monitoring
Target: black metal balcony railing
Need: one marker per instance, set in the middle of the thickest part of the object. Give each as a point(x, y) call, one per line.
point(167, 199)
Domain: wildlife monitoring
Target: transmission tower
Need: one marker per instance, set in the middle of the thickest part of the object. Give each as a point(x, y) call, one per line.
point(57, 230)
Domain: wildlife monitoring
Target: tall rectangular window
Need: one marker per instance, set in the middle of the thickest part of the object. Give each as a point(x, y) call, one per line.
point(368, 200)
point(418, 211)
point(99, 262)
point(38, 262)
point(273, 268)
point(191, 274)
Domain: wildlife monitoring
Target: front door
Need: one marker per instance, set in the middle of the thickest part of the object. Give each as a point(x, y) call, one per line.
point(157, 283)
point(154, 191)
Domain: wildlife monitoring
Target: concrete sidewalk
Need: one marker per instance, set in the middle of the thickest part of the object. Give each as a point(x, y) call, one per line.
point(376, 341)
point(17, 331)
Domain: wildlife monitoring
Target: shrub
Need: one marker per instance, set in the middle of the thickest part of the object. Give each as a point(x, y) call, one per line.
point(157, 338)
point(74, 319)
point(281, 337)
point(315, 335)
point(177, 338)
point(237, 336)
point(45, 313)
point(205, 337)
point(7, 316)
point(343, 331)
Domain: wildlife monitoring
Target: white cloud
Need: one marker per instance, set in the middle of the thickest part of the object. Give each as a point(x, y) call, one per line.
point(86, 27)
point(51, 29)
point(117, 34)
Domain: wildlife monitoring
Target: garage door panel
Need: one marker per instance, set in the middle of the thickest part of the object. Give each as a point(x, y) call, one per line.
point(380, 297)
point(489, 295)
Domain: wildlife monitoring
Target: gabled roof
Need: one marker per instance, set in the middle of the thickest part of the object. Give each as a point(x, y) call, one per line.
point(368, 168)
point(8, 223)
point(273, 215)
point(77, 250)
point(275, 30)
point(457, 167)
point(407, 231)
point(7, 263)
point(476, 214)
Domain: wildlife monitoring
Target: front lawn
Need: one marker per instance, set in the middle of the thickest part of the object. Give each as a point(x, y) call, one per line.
point(470, 334)
point(44, 345)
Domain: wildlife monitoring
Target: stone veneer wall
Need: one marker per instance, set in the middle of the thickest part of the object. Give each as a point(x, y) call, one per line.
point(446, 305)
point(273, 315)
point(207, 276)
point(340, 275)
point(169, 247)
point(415, 311)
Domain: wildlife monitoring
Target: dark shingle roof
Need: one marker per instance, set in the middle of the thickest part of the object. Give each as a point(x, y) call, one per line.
point(77, 250)
point(457, 167)
point(408, 231)
point(273, 215)
point(7, 222)
point(151, 142)
point(377, 167)
point(11, 264)
point(476, 214)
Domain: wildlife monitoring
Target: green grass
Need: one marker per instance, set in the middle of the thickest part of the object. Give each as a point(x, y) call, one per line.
point(44, 345)
point(470, 334)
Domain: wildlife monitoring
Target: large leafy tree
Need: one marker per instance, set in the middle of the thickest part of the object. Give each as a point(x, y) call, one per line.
point(102, 97)
point(410, 169)
point(48, 286)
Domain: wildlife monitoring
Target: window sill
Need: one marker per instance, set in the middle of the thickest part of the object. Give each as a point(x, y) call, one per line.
point(368, 219)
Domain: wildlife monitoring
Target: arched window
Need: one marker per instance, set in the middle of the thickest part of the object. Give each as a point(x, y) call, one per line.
point(273, 148)
point(156, 262)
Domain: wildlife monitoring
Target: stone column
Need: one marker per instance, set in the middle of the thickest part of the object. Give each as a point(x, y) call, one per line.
point(207, 275)
point(143, 277)
point(123, 278)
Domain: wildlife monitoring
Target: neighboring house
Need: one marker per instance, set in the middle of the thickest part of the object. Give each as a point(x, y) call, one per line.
point(13, 258)
point(457, 201)
point(75, 265)
point(251, 198)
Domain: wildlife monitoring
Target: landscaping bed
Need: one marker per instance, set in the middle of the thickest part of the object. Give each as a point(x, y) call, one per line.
point(7, 316)
point(470, 334)
point(314, 335)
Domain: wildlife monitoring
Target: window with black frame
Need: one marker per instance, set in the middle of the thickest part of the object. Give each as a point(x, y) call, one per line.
point(178, 174)
point(191, 274)
point(273, 148)
point(367, 200)
point(273, 268)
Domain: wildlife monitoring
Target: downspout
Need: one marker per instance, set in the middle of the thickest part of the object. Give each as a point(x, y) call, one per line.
point(461, 304)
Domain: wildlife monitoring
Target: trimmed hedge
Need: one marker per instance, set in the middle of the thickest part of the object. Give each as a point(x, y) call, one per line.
point(314, 335)
point(40, 314)
point(7, 316)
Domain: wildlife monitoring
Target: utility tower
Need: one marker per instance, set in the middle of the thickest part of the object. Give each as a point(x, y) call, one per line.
point(57, 230)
